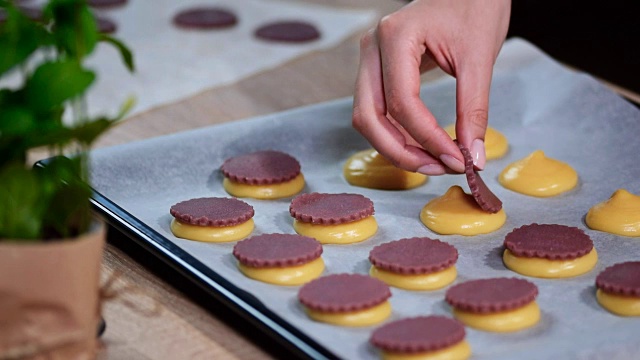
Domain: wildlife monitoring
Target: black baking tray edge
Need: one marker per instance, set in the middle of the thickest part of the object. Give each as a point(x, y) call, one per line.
point(239, 301)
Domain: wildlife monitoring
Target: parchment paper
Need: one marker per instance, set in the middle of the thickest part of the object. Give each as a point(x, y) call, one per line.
point(173, 63)
point(535, 102)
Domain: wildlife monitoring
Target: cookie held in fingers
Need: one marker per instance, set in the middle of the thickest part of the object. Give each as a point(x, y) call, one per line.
point(457, 212)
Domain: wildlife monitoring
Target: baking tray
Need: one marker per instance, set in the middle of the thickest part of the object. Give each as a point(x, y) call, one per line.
point(535, 102)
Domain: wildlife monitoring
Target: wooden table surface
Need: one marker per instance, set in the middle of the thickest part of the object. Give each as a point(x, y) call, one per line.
point(153, 320)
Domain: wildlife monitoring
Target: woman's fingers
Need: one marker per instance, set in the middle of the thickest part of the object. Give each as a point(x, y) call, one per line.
point(370, 114)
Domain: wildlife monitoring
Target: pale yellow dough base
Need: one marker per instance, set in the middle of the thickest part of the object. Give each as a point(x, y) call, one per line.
point(371, 170)
point(346, 233)
point(551, 269)
point(619, 215)
point(538, 175)
point(293, 275)
point(265, 192)
point(459, 351)
point(507, 321)
point(456, 212)
point(212, 233)
point(432, 281)
point(367, 317)
point(619, 304)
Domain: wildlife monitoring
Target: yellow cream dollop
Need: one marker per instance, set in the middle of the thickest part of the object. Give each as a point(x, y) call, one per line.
point(345, 233)
point(264, 192)
point(495, 143)
point(212, 233)
point(619, 304)
point(538, 175)
point(366, 317)
point(456, 212)
point(551, 269)
point(459, 351)
point(431, 281)
point(506, 321)
point(371, 170)
point(290, 275)
point(619, 215)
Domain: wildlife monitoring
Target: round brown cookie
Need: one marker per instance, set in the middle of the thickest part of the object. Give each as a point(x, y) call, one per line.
point(343, 293)
point(205, 18)
point(329, 209)
point(414, 256)
point(621, 279)
point(105, 26)
point(106, 3)
point(548, 241)
point(288, 31)
point(487, 200)
point(212, 211)
point(277, 250)
point(261, 168)
point(491, 295)
point(418, 334)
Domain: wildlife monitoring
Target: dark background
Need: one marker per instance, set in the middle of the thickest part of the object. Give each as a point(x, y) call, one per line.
point(601, 38)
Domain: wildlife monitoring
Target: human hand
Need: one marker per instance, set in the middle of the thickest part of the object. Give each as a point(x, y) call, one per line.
point(463, 38)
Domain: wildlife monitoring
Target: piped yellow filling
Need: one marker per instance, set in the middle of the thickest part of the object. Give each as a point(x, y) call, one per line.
point(371, 170)
point(346, 233)
point(545, 268)
point(456, 212)
point(459, 351)
point(619, 215)
point(512, 320)
point(538, 175)
point(364, 317)
point(619, 304)
point(265, 192)
point(292, 275)
point(432, 281)
point(212, 233)
point(495, 144)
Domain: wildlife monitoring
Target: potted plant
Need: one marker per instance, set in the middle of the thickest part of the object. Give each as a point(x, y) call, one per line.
point(50, 245)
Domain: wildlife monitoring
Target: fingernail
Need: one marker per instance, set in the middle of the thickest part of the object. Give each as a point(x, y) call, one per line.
point(431, 169)
point(478, 153)
point(452, 163)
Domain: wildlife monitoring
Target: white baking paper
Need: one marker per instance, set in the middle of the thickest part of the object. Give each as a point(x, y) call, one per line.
point(535, 102)
point(173, 63)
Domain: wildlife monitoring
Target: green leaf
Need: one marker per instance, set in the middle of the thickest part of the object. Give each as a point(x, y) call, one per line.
point(75, 30)
point(87, 133)
point(21, 203)
point(19, 38)
point(16, 121)
point(53, 83)
point(68, 213)
point(125, 53)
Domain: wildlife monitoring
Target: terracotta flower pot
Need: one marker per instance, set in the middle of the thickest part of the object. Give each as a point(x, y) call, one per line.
point(49, 297)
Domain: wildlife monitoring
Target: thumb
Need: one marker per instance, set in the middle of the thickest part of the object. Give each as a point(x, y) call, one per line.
point(472, 108)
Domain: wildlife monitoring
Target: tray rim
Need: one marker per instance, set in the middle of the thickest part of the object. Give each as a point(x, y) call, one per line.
point(241, 302)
